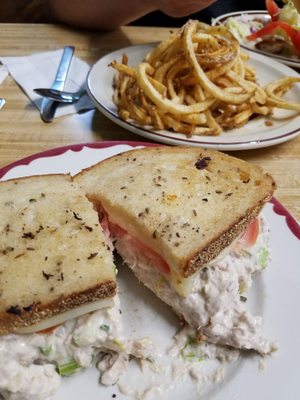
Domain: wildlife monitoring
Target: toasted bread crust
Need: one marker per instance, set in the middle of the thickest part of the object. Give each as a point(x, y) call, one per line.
point(204, 256)
point(53, 253)
point(35, 313)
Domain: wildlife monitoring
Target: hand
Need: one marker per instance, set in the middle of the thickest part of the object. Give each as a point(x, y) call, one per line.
point(110, 14)
point(181, 8)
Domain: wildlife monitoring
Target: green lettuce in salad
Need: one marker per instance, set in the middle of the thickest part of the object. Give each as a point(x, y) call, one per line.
point(290, 15)
point(239, 29)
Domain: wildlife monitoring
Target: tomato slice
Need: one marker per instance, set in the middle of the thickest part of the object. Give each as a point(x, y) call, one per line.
point(249, 238)
point(49, 330)
point(105, 225)
point(273, 9)
point(117, 232)
point(152, 255)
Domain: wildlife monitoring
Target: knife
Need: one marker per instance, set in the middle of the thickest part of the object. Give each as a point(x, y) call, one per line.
point(49, 106)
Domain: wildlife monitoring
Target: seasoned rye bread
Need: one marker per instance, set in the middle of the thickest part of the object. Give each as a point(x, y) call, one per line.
point(187, 204)
point(53, 253)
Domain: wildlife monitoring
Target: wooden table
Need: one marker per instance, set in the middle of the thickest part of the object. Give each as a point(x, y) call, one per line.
point(22, 132)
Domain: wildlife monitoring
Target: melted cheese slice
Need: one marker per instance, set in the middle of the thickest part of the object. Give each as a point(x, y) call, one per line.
point(61, 318)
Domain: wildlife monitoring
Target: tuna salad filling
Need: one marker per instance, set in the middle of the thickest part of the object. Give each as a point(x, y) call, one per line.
point(216, 305)
point(31, 365)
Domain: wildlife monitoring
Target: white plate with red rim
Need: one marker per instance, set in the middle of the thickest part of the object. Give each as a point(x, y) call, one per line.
point(246, 16)
point(255, 134)
point(274, 296)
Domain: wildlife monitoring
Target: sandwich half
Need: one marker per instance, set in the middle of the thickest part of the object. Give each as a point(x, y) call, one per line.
point(187, 222)
point(58, 296)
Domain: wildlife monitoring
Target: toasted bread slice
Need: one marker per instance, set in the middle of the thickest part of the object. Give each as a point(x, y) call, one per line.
point(186, 204)
point(53, 253)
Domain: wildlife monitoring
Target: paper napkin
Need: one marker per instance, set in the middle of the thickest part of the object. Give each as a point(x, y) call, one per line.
point(39, 70)
point(3, 73)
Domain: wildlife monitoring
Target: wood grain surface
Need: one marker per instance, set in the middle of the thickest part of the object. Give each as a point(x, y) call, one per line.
point(23, 133)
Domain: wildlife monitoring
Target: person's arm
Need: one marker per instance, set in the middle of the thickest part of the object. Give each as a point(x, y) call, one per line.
point(109, 14)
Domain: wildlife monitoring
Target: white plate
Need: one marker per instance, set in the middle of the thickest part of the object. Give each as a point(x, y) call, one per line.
point(254, 134)
point(245, 16)
point(275, 295)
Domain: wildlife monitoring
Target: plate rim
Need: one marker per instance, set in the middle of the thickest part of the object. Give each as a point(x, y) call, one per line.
point(221, 18)
point(152, 134)
point(75, 147)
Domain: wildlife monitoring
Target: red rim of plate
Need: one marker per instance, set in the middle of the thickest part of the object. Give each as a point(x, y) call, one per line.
point(278, 208)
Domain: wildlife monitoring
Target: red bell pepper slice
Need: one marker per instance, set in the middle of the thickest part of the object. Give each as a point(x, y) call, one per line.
point(273, 9)
point(268, 29)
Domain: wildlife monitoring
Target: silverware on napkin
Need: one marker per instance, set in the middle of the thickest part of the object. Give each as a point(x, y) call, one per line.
point(49, 106)
point(60, 95)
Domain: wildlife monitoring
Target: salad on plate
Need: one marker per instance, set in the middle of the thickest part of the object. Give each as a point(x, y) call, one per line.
point(276, 32)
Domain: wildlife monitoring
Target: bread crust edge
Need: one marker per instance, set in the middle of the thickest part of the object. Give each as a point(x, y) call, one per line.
point(36, 313)
point(199, 259)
